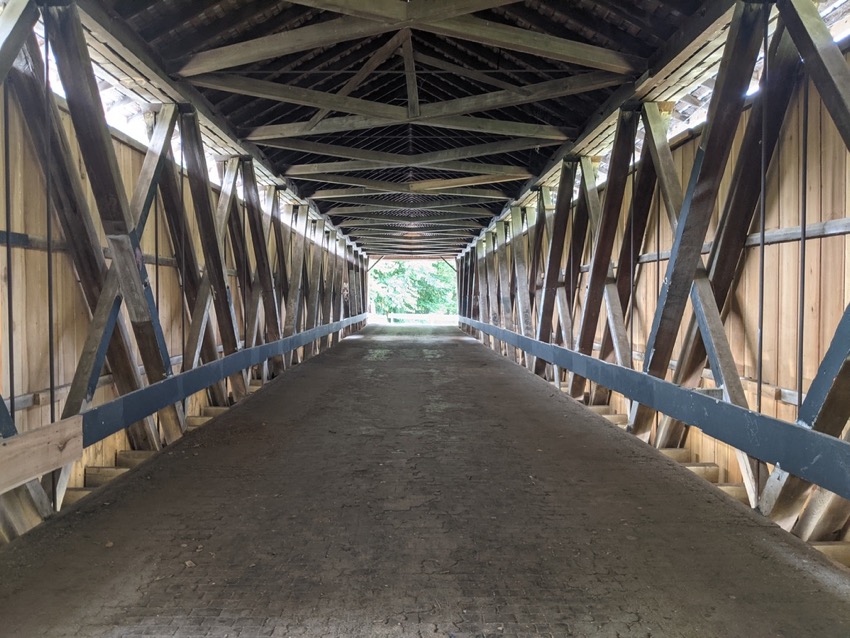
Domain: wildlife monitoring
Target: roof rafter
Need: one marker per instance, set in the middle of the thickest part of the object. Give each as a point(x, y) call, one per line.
point(300, 170)
point(581, 83)
point(444, 19)
point(422, 159)
point(458, 123)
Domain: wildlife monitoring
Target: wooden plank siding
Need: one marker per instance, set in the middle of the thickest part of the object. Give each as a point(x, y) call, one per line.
point(71, 314)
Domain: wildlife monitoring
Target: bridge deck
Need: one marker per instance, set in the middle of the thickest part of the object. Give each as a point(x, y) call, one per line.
point(412, 483)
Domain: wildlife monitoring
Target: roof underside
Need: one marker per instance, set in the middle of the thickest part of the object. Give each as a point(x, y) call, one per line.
point(410, 124)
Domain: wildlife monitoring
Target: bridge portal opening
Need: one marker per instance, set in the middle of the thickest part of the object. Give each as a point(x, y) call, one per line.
point(412, 291)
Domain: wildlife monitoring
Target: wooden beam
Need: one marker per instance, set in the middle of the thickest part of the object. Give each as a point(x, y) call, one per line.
point(724, 114)
point(338, 278)
point(86, 110)
point(379, 212)
point(70, 204)
point(823, 59)
point(601, 270)
point(17, 19)
point(470, 74)
point(290, 94)
point(519, 250)
point(211, 240)
point(27, 456)
point(344, 193)
point(328, 260)
point(436, 205)
point(444, 9)
point(375, 60)
point(551, 89)
point(401, 14)
point(296, 286)
point(442, 221)
point(552, 291)
point(382, 10)
point(727, 251)
point(318, 247)
point(413, 109)
point(261, 257)
point(391, 114)
point(493, 284)
point(643, 189)
point(543, 45)
point(283, 43)
point(105, 315)
point(196, 289)
point(347, 123)
point(497, 170)
point(421, 159)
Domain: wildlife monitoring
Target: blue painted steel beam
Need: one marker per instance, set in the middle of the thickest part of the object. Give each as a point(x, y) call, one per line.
point(104, 420)
point(813, 456)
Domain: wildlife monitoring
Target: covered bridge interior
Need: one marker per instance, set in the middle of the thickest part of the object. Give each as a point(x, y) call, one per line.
point(639, 425)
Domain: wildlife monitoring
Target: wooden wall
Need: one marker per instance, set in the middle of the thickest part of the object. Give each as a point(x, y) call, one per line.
point(827, 288)
point(29, 332)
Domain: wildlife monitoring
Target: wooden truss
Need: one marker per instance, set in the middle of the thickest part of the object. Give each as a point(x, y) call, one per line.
point(286, 283)
point(535, 272)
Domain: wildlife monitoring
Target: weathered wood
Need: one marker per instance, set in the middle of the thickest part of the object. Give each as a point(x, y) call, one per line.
point(105, 315)
point(716, 143)
point(419, 159)
point(195, 288)
point(493, 287)
point(347, 123)
point(296, 287)
point(483, 286)
point(727, 251)
point(375, 60)
point(98, 153)
point(261, 257)
point(327, 296)
point(16, 23)
point(605, 234)
point(413, 110)
point(540, 44)
point(278, 44)
point(519, 250)
point(71, 207)
point(27, 456)
point(327, 168)
point(550, 89)
point(314, 276)
point(198, 320)
point(643, 189)
point(504, 264)
point(823, 59)
point(338, 278)
point(552, 273)
point(214, 267)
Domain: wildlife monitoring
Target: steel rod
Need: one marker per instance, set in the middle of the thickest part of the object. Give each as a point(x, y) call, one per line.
point(7, 196)
point(762, 215)
point(801, 302)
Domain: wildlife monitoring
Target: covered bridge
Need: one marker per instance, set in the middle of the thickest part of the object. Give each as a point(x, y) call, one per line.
point(638, 425)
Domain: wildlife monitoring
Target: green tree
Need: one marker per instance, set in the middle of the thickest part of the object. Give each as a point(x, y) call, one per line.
point(413, 286)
